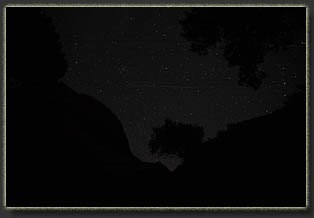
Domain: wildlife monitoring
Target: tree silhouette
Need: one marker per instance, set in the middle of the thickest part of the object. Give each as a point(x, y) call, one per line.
point(174, 138)
point(36, 45)
point(246, 38)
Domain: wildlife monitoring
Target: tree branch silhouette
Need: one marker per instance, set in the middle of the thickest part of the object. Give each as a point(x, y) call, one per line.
point(174, 138)
point(246, 38)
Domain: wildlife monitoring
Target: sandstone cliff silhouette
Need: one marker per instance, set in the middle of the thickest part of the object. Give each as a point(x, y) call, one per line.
point(63, 148)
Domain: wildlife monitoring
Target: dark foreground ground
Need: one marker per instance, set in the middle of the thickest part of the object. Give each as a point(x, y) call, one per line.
point(67, 149)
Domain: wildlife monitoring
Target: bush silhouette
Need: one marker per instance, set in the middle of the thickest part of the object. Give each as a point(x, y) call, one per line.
point(246, 38)
point(174, 138)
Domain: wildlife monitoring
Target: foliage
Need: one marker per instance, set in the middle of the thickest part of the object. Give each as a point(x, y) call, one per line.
point(175, 138)
point(245, 34)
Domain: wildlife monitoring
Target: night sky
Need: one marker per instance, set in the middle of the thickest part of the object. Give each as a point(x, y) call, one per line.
point(135, 62)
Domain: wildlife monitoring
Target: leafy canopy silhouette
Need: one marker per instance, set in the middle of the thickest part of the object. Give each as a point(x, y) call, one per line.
point(173, 138)
point(35, 43)
point(246, 35)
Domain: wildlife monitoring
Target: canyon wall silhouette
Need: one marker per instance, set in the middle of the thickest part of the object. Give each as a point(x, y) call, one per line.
point(63, 148)
point(261, 161)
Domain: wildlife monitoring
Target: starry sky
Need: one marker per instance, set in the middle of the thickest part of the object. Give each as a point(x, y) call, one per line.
point(135, 62)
